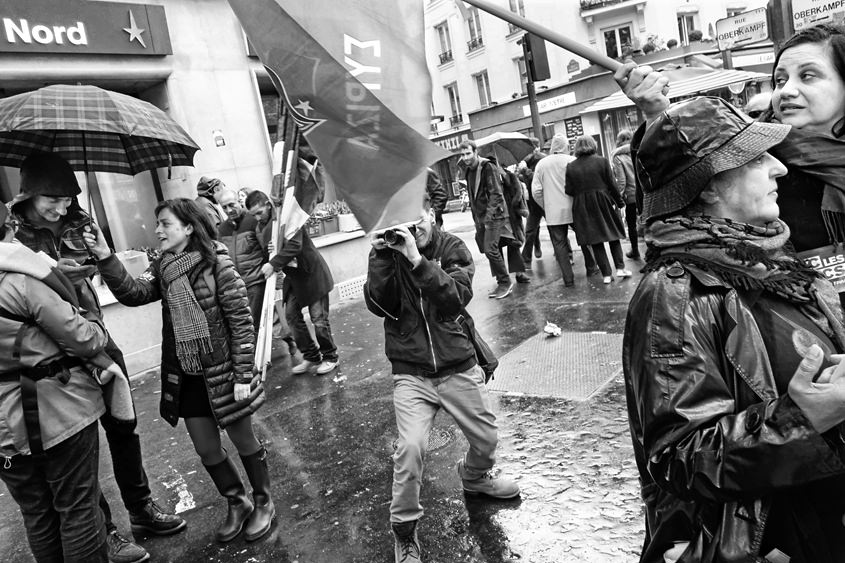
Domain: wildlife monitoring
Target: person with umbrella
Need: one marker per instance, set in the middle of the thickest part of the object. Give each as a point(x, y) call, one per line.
point(487, 204)
point(51, 222)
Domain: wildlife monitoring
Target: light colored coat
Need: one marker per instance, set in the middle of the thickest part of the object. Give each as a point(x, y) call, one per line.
point(548, 186)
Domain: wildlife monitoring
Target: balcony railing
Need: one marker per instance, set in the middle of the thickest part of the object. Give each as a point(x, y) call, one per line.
point(456, 119)
point(513, 28)
point(474, 44)
point(445, 57)
point(593, 4)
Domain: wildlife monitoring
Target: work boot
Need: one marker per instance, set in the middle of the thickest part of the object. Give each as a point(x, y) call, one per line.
point(122, 550)
point(406, 543)
point(262, 516)
point(488, 484)
point(152, 519)
point(230, 485)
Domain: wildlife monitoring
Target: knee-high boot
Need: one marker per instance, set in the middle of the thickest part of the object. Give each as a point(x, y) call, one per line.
point(225, 476)
point(259, 477)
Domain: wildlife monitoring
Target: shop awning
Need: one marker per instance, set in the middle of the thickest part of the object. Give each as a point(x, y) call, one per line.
point(687, 82)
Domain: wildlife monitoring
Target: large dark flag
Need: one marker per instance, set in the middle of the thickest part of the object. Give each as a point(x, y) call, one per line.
point(354, 77)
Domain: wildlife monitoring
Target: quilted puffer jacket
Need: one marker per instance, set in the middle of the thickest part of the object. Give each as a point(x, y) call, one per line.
point(229, 322)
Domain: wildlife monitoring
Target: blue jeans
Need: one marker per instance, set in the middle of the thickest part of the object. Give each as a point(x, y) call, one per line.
point(58, 496)
point(324, 348)
point(416, 401)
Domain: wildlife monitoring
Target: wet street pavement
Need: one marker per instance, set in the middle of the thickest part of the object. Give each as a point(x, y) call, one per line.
point(331, 440)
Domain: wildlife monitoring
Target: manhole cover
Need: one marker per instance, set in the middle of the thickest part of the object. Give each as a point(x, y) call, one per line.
point(573, 365)
point(437, 438)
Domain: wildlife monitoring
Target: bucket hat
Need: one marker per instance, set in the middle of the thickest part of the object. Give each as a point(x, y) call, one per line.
point(47, 174)
point(690, 143)
point(206, 186)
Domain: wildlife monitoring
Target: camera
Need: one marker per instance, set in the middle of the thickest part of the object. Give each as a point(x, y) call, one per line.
point(395, 236)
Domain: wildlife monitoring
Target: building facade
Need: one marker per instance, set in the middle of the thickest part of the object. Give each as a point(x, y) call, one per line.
point(478, 71)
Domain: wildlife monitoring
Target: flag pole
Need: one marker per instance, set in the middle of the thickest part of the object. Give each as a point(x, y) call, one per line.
point(551, 36)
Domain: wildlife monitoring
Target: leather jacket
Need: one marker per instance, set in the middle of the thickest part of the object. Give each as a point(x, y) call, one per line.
point(714, 442)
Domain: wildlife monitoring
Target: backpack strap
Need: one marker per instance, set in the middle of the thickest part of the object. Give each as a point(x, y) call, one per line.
point(25, 322)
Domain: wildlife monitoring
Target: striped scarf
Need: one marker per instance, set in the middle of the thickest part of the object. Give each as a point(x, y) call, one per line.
point(190, 325)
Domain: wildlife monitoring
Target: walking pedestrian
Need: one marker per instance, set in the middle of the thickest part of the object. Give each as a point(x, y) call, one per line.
point(208, 354)
point(420, 286)
point(623, 172)
point(52, 222)
point(535, 212)
point(50, 405)
point(590, 182)
point(549, 187)
point(512, 242)
point(735, 398)
point(238, 233)
point(437, 192)
point(308, 282)
point(207, 188)
point(487, 205)
point(259, 206)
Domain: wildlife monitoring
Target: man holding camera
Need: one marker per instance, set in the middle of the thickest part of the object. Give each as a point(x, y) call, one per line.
point(419, 280)
point(51, 221)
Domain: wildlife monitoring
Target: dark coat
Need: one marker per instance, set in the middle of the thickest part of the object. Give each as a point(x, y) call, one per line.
point(307, 275)
point(420, 306)
point(714, 443)
point(486, 199)
point(245, 249)
point(590, 182)
point(515, 202)
point(436, 192)
point(229, 322)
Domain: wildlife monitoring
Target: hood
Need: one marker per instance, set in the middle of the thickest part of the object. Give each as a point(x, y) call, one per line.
point(623, 149)
point(16, 258)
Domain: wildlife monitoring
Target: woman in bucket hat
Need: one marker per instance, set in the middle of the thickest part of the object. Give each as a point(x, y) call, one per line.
point(735, 395)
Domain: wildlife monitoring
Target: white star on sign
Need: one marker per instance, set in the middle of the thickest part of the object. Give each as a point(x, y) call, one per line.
point(134, 31)
point(304, 106)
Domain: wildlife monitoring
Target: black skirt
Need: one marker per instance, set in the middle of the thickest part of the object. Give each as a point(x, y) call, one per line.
point(193, 397)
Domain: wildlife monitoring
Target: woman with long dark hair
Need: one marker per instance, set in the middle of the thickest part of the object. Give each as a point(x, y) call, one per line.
point(207, 351)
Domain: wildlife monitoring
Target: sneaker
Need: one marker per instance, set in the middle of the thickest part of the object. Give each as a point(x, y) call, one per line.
point(121, 550)
point(406, 543)
point(488, 484)
point(502, 290)
point(521, 277)
point(305, 366)
point(152, 519)
point(623, 273)
point(326, 366)
point(606, 279)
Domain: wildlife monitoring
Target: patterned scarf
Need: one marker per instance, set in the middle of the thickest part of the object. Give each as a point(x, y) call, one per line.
point(748, 258)
point(190, 325)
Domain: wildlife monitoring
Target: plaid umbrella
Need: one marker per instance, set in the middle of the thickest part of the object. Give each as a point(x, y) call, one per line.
point(93, 129)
